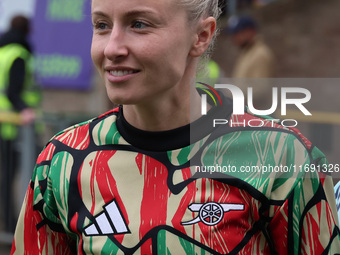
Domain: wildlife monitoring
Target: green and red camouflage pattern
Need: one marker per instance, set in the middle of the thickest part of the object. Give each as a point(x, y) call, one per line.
point(94, 193)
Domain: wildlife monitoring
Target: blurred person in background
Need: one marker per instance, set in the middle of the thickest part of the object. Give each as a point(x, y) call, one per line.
point(211, 74)
point(255, 60)
point(18, 94)
point(127, 181)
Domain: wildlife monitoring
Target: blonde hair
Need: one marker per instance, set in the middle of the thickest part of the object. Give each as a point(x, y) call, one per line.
point(200, 9)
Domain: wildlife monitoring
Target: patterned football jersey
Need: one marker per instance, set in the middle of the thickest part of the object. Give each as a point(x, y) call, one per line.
point(337, 197)
point(105, 187)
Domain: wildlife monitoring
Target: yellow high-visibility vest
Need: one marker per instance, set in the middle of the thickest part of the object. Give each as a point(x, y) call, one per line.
point(211, 74)
point(30, 94)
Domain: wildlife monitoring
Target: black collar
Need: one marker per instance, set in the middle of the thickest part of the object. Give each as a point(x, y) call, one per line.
point(176, 138)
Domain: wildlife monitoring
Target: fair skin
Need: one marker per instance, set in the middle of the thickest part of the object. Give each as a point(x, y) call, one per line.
point(147, 54)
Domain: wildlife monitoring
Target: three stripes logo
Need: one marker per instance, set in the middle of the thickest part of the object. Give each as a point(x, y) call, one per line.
point(108, 222)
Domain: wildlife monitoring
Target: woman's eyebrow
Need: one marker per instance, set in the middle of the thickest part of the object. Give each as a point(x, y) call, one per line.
point(133, 13)
point(129, 14)
point(99, 13)
point(155, 16)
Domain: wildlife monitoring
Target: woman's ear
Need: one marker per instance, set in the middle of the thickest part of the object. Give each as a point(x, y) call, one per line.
point(203, 37)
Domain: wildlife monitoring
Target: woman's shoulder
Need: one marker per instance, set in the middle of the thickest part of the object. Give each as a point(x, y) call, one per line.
point(83, 127)
point(80, 135)
point(250, 121)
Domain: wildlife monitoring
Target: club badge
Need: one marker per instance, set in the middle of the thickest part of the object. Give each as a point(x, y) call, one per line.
point(211, 213)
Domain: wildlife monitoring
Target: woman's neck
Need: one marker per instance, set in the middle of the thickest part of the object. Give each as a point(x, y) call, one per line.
point(176, 110)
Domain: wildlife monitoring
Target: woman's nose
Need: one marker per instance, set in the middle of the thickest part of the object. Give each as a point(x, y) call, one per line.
point(116, 46)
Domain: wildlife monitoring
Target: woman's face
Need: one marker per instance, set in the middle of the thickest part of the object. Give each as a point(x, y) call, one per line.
point(141, 48)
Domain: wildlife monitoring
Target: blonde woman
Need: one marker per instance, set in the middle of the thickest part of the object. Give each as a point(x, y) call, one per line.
point(139, 179)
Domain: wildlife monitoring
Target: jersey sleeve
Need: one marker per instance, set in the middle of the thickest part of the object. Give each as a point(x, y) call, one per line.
point(39, 229)
point(307, 221)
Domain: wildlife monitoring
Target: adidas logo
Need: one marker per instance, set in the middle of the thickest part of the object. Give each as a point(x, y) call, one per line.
point(108, 222)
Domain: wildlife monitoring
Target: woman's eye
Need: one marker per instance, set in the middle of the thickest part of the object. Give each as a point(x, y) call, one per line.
point(139, 25)
point(100, 26)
